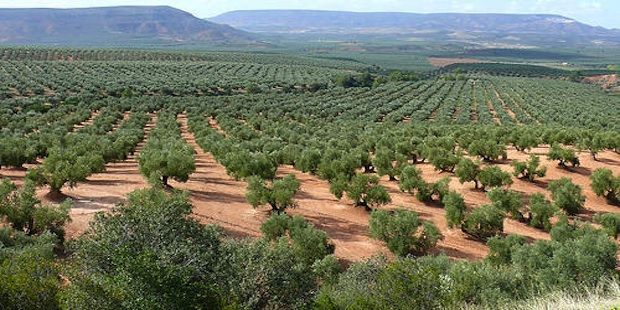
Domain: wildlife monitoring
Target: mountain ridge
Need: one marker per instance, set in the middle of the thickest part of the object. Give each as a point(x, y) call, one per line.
point(117, 24)
point(484, 26)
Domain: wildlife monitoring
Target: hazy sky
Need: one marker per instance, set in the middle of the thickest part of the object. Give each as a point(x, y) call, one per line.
point(596, 12)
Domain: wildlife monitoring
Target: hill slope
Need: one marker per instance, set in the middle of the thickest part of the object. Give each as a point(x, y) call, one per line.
point(511, 27)
point(110, 25)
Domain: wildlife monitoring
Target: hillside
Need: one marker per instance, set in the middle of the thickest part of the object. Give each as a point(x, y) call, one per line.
point(515, 28)
point(110, 25)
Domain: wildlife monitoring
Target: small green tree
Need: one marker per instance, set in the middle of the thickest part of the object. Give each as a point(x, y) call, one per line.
point(563, 156)
point(404, 232)
point(65, 166)
point(484, 222)
point(366, 192)
point(529, 169)
point(279, 195)
point(455, 209)
point(502, 248)
point(488, 149)
point(443, 160)
point(387, 162)
point(167, 158)
point(411, 179)
point(604, 183)
point(25, 213)
point(494, 177)
point(308, 243)
point(610, 223)
point(468, 171)
point(541, 211)
point(508, 201)
point(309, 161)
point(567, 196)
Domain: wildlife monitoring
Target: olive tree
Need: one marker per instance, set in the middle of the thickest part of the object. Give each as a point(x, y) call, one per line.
point(484, 222)
point(167, 158)
point(488, 149)
point(468, 171)
point(540, 212)
point(365, 191)
point(529, 169)
point(508, 201)
point(66, 166)
point(279, 195)
point(567, 196)
point(494, 177)
point(563, 156)
point(404, 232)
point(455, 208)
point(604, 183)
point(610, 223)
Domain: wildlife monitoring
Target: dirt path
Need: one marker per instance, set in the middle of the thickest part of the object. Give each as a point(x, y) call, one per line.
point(346, 225)
point(102, 191)
point(217, 197)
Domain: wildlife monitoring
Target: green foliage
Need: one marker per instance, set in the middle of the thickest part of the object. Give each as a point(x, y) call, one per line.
point(411, 179)
point(541, 211)
point(563, 156)
point(65, 165)
point(366, 192)
point(484, 222)
point(279, 195)
point(25, 213)
point(309, 161)
point(387, 162)
point(530, 169)
point(16, 151)
point(455, 209)
point(604, 183)
point(308, 243)
point(509, 201)
point(28, 273)
point(488, 149)
point(610, 223)
point(442, 159)
point(403, 232)
point(494, 176)
point(467, 171)
point(502, 248)
point(567, 196)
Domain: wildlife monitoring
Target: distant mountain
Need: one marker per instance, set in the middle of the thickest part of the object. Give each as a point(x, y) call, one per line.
point(464, 27)
point(110, 25)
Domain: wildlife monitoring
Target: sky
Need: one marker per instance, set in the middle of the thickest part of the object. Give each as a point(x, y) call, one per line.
point(604, 13)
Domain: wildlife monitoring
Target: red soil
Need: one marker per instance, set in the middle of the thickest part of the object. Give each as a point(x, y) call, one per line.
point(219, 199)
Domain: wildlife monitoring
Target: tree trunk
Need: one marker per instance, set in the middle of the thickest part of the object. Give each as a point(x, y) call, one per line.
point(393, 178)
point(164, 180)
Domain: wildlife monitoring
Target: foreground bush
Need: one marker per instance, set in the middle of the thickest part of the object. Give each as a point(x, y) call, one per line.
point(484, 222)
point(404, 232)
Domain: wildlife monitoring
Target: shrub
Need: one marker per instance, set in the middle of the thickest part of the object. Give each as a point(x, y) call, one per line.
point(484, 222)
point(541, 211)
point(25, 213)
point(494, 177)
point(530, 169)
point(308, 243)
point(309, 161)
point(508, 201)
point(442, 159)
point(279, 195)
point(501, 249)
point(404, 232)
point(610, 223)
point(567, 196)
point(604, 183)
point(455, 208)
